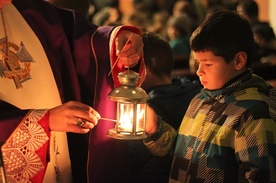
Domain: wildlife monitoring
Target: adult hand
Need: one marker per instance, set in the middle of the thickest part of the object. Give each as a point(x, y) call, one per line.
point(129, 48)
point(68, 116)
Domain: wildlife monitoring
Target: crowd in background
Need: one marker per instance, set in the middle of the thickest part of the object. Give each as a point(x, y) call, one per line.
point(175, 20)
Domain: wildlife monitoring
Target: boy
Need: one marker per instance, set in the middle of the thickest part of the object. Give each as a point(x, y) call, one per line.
point(228, 133)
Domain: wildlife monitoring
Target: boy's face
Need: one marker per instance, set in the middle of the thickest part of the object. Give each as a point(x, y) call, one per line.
point(213, 71)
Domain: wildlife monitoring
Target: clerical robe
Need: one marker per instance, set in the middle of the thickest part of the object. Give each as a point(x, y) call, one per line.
point(80, 55)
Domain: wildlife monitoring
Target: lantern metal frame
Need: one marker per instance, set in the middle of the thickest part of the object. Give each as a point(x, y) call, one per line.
point(129, 97)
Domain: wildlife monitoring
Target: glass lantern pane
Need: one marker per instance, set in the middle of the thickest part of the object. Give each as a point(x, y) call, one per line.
point(125, 117)
point(140, 118)
point(131, 118)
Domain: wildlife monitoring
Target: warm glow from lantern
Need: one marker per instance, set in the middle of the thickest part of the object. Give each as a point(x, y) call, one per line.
point(125, 119)
point(131, 108)
point(130, 114)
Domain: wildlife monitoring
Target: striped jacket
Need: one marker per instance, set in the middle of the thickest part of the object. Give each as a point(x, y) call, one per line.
point(228, 135)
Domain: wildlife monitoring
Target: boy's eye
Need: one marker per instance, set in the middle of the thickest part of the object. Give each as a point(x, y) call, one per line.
point(208, 65)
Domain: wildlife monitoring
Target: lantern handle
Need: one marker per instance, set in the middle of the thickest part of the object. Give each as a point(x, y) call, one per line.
point(122, 51)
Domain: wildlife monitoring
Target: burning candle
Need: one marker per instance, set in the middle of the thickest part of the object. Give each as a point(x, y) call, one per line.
point(131, 108)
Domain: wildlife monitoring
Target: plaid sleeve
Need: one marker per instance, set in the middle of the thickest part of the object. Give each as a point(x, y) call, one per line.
point(161, 142)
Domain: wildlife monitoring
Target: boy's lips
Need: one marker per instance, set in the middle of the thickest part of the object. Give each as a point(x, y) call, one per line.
point(203, 82)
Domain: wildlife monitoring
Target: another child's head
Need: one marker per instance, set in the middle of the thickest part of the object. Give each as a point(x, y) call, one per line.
point(158, 58)
point(249, 9)
point(223, 47)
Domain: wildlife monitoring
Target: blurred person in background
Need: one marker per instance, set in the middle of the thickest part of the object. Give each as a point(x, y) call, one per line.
point(177, 34)
point(263, 32)
point(169, 97)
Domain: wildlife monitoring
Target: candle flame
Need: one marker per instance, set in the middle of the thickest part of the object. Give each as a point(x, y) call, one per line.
point(125, 122)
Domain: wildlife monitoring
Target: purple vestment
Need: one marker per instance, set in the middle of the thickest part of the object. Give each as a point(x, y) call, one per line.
point(81, 76)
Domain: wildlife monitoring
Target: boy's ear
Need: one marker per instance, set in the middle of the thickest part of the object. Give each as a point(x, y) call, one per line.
point(240, 60)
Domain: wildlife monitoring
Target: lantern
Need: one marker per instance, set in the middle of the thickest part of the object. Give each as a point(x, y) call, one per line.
point(131, 108)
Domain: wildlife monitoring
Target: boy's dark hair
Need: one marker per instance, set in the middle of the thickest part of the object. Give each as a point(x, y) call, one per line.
point(225, 33)
point(158, 55)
